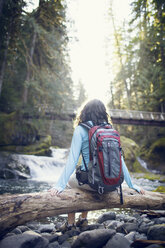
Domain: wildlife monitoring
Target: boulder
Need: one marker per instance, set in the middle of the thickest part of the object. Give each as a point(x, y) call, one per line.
point(106, 216)
point(156, 232)
point(130, 150)
point(127, 228)
point(117, 241)
point(15, 131)
point(98, 237)
point(155, 155)
point(54, 245)
point(27, 239)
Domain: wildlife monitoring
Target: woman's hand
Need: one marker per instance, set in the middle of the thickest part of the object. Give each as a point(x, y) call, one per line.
point(54, 192)
point(142, 191)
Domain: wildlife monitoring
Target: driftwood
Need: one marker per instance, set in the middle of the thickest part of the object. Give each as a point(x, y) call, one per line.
point(20, 208)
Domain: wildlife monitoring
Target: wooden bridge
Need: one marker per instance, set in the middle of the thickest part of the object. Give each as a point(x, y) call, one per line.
point(134, 117)
point(129, 117)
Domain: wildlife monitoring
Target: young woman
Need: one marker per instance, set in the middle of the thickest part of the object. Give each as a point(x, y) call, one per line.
point(95, 112)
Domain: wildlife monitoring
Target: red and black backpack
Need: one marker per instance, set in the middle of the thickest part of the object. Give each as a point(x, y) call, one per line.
point(105, 167)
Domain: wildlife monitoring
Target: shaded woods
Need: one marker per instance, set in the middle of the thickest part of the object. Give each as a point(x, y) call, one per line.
point(33, 56)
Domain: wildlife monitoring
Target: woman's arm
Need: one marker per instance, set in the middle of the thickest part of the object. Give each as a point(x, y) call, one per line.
point(128, 180)
point(72, 161)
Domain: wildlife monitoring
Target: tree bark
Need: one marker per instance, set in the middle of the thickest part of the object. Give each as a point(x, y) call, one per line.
point(28, 75)
point(2, 69)
point(121, 61)
point(1, 6)
point(18, 209)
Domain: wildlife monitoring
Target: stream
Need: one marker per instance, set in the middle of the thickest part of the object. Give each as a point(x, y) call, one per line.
point(45, 172)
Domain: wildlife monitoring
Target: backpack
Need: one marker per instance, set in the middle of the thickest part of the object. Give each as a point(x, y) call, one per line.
point(105, 167)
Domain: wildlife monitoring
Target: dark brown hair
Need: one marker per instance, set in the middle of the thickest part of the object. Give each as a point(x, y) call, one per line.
point(94, 111)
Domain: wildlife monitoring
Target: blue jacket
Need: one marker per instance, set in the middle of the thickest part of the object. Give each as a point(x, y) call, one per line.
point(80, 142)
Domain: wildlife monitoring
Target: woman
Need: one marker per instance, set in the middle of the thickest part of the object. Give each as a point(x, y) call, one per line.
point(95, 112)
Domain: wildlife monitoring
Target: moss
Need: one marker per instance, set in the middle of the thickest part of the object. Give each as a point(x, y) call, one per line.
point(154, 156)
point(152, 177)
point(160, 189)
point(41, 147)
point(158, 147)
point(130, 149)
point(16, 131)
point(136, 167)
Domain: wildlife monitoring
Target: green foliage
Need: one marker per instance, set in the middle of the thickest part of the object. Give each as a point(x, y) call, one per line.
point(37, 69)
point(141, 55)
point(160, 189)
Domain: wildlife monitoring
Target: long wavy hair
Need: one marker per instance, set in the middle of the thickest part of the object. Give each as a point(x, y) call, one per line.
point(94, 111)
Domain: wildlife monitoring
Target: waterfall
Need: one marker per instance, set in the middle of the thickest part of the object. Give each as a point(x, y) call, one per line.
point(45, 168)
point(145, 166)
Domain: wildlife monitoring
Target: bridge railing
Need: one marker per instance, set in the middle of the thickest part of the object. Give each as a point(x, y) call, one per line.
point(138, 115)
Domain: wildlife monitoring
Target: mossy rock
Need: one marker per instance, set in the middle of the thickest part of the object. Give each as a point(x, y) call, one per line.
point(151, 176)
point(155, 155)
point(160, 189)
point(41, 148)
point(130, 149)
point(16, 131)
point(136, 167)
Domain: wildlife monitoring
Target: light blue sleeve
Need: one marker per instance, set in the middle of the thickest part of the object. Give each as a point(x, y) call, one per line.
point(72, 160)
point(127, 177)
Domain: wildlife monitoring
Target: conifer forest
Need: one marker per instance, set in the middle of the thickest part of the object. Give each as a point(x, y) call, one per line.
point(35, 69)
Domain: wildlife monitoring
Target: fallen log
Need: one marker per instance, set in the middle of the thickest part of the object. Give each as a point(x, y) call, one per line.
point(20, 208)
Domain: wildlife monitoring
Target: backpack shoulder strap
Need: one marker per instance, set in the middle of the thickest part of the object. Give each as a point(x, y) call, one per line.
point(87, 125)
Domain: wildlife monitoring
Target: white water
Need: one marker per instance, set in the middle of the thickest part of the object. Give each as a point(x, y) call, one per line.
point(145, 165)
point(45, 168)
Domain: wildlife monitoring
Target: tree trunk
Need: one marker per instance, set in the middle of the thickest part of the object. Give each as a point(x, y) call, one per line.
point(1, 6)
point(121, 61)
point(18, 209)
point(2, 69)
point(28, 75)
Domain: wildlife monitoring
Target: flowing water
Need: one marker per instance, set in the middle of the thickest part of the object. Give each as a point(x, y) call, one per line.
point(45, 172)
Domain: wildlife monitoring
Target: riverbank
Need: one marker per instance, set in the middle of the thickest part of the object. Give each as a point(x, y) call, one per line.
point(110, 229)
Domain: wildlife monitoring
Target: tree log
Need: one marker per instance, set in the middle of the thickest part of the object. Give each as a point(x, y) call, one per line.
point(20, 208)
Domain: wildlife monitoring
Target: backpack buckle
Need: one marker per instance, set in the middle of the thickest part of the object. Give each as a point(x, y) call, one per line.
point(100, 190)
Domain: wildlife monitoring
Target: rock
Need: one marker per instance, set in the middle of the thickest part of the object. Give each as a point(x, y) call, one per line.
point(15, 131)
point(120, 217)
point(16, 231)
point(11, 168)
point(24, 228)
point(117, 241)
point(96, 226)
point(46, 228)
point(91, 227)
point(156, 232)
point(63, 238)
point(54, 245)
point(155, 155)
point(127, 227)
point(130, 219)
point(130, 237)
point(160, 189)
point(141, 236)
point(143, 228)
point(160, 220)
point(106, 216)
point(19, 136)
point(130, 149)
point(73, 233)
point(27, 239)
point(98, 237)
point(66, 245)
point(114, 224)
